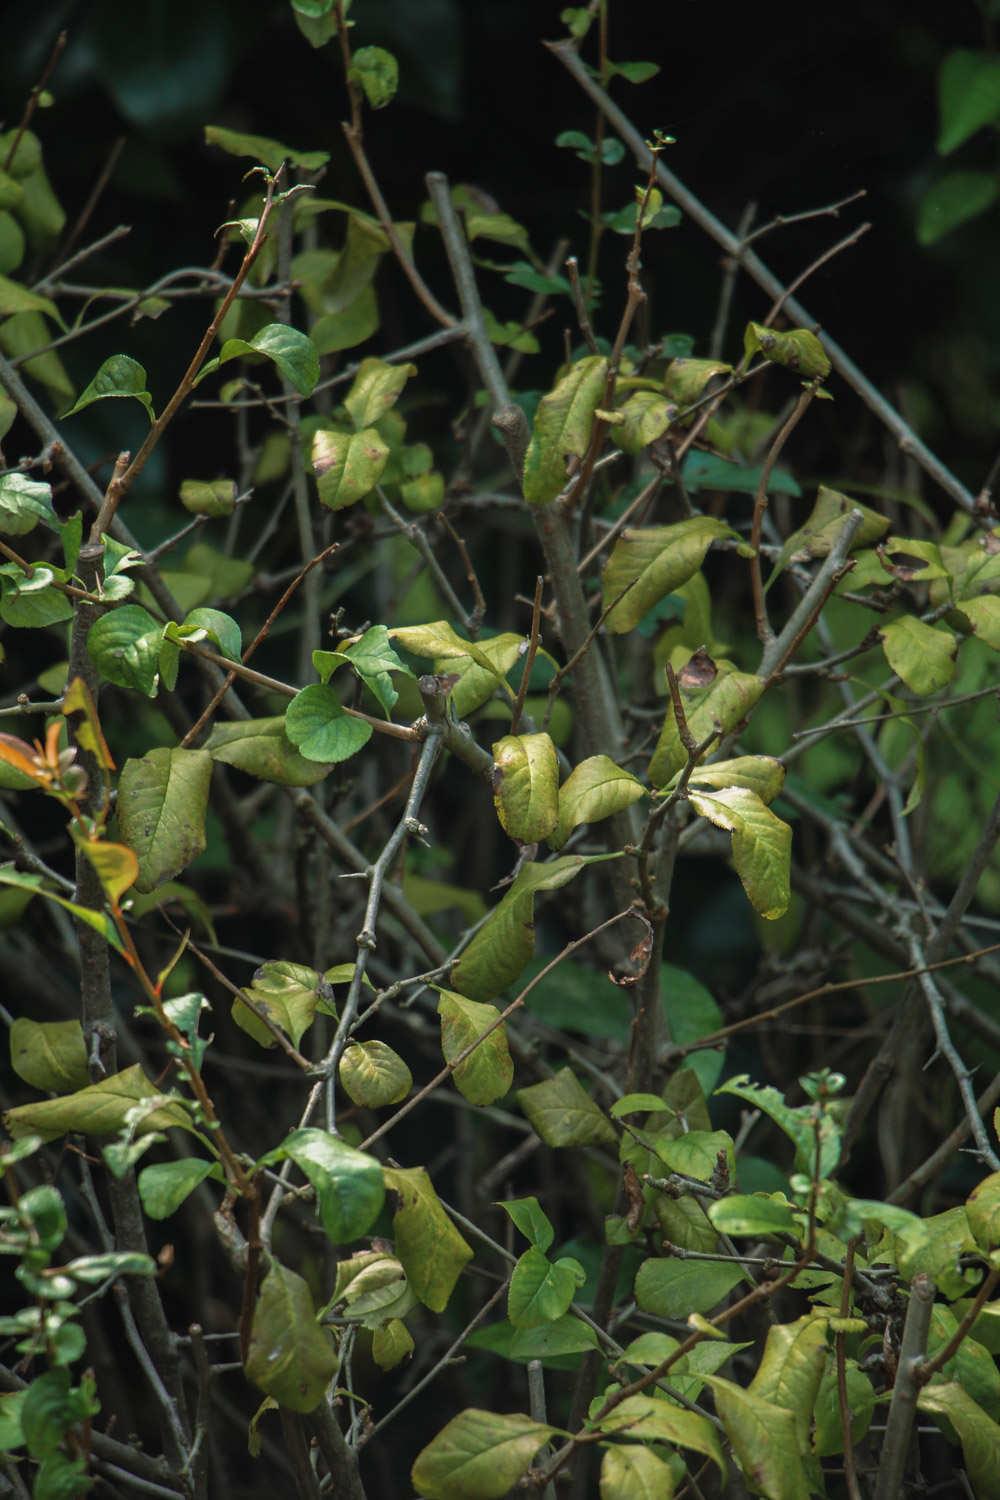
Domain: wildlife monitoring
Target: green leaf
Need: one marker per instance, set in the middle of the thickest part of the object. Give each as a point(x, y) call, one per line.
point(376, 388)
point(373, 1075)
point(19, 337)
point(922, 655)
point(817, 534)
point(798, 1124)
point(208, 497)
point(983, 614)
point(372, 658)
point(124, 646)
point(525, 786)
point(261, 748)
point(977, 1433)
point(634, 1473)
point(391, 1344)
point(261, 148)
point(488, 1072)
point(764, 1440)
point(372, 1288)
point(15, 298)
point(481, 667)
point(727, 700)
point(982, 1209)
point(968, 96)
point(634, 1104)
point(290, 1357)
point(349, 1186)
point(687, 380)
point(479, 1455)
point(562, 1112)
point(11, 1432)
point(288, 993)
point(527, 1215)
point(292, 352)
point(165, 1186)
point(25, 880)
point(32, 602)
point(673, 1288)
point(162, 802)
point(429, 1246)
point(653, 562)
point(762, 845)
point(221, 629)
point(97, 1268)
point(791, 1369)
point(952, 201)
point(99, 1109)
point(318, 726)
point(644, 417)
point(707, 471)
point(828, 1431)
point(120, 375)
point(755, 1214)
point(23, 503)
point(377, 71)
point(696, 1152)
point(633, 72)
point(50, 1055)
point(972, 1365)
point(562, 428)
point(653, 1420)
point(500, 227)
point(46, 1412)
point(541, 1290)
point(504, 944)
point(595, 789)
point(348, 465)
point(761, 774)
point(798, 349)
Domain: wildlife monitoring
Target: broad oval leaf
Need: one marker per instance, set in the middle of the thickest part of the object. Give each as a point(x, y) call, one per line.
point(922, 655)
point(982, 1209)
point(162, 802)
point(349, 1186)
point(562, 427)
point(164, 1186)
point(98, 1109)
point(541, 1290)
point(124, 646)
point(650, 563)
point(670, 1288)
point(828, 1427)
point(292, 352)
point(595, 789)
point(261, 748)
point(799, 349)
point(762, 845)
point(479, 1455)
point(952, 201)
point(287, 992)
point(655, 1420)
point(755, 1214)
point(23, 503)
point(208, 497)
point(983, 614)
point(320, 728)
point(631, 1472)
point(791, 1369)
point(978, 1433)
point(348, 465)
point(688, 379)
point(391, 1344)
point(761, 774)
point(50, 1055)
point(117, 865)
point(429, 1246)
point(525, 782)
point(375, 389)
point(373, 1075)
point(488, 1072)
point(968, 96)
point(377, 71)
point(527, 1215)
point(764, 1439)
point(644, 417)
point(562, 1112)
point(290, 1356)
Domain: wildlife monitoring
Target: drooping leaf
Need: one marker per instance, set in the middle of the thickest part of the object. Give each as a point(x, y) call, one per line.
point(799, 349)
point(292, 352)
point(124, 645)
point(261, 748)
point(726, 700)
point(348, 465)
point(349, 1186)
point(373, 1075)
point(791, 1369)
point(764, 1438)
point(670, 1288)
point(983, 614)
point(488, 1072)
point(50, 1055)
point(164, 1186)
point(595, 789)
point(828, 1429)
point(23, 503)
point(261, 149)
point(762, 845)
point(120, 375)
point(644, 417)
point(391, 1344)
point(968, 96)
point(525, 786)
point(98, 1109)
point(320, 728)
point(290, 1357)
point(27, 880)
point(429, 1246)
point(562, 1112)
point(215, 626)
point(922, 655)
point(761, 774)
point(116, 864)
point(688, 379)
point(562, 428)
point(632, 1472)
point(541, 1290)
point(506, 941)
point(817, 534)
point(375, 389)
point(162, 802)
point(479, 1455)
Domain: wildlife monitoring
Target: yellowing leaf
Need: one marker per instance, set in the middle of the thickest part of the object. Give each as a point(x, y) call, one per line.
point(652, 562)
point(429, 1246)
point(525, 782)
point(479, 1455)
point(562, 428)
point(762, 845)
point(290, 1357)
point(488, 1072)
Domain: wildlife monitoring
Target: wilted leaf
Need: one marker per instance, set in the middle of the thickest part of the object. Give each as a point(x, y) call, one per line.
point(261, 748)
point(98, 1109)
point(764, 1439)
point(651, 563)
point(762, 845)
point(429, 1246)
point(799, 349)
